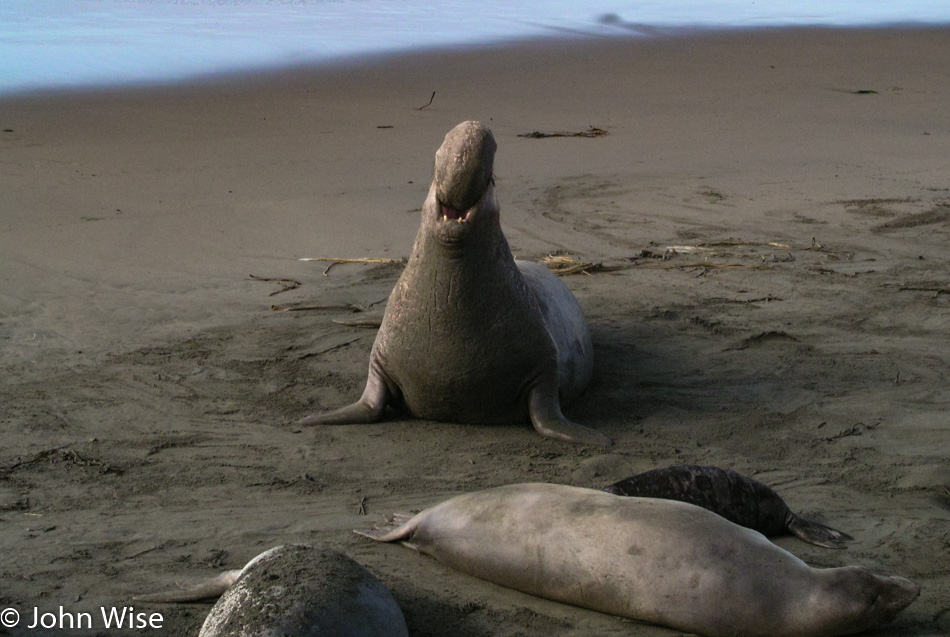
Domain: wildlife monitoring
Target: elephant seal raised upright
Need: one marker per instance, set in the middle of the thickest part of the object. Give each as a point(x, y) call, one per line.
point(737, 498)
point(652, 560)
point(469, 335)
point(297, 590)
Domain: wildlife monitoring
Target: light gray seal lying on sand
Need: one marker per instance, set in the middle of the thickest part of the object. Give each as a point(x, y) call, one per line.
point(296, 590)
point(652, 560)
point(737, 498)
point(469, 335)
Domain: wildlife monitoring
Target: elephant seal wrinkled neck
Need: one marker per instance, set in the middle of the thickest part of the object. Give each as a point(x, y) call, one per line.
point(461, 269)
point(461, 209)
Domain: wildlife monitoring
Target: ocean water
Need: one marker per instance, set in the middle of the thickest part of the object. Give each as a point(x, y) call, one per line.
point(68, 44)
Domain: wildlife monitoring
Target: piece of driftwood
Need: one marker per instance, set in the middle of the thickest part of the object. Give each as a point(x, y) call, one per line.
point(563, 265)
point(593, 131)
point(334, 261)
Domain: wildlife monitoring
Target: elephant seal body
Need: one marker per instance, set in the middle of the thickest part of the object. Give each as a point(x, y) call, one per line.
point(737, 498)
point(652, 560)
point(296, 590)
point(469, 335)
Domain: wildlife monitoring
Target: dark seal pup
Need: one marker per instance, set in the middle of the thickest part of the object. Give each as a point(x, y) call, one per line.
point(296, 590)
point(658, 561)
point(739, 499)
point(469, 335)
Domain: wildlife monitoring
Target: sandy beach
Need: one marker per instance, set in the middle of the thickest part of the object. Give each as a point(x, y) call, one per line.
point(767, 218)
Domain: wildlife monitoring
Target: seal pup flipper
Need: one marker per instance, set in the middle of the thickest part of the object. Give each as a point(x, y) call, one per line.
point(208, 589)
point(368, 409)
point(817, 533)
point(544, 407)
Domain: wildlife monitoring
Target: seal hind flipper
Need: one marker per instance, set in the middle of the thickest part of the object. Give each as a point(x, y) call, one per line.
point(208, 589)
point(544, 407)
point(817, 533)
point(359, 413)
point(368, 409)
point(402, 533)
point(399, 518)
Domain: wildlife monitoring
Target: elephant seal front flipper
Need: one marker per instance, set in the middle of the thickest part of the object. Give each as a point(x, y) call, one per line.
point(544, 408)
point(369, 408)
point(208, 589)
point(469, 335)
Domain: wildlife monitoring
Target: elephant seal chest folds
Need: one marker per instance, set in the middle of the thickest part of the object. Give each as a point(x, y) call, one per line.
point(469, 335)
point(658, 561)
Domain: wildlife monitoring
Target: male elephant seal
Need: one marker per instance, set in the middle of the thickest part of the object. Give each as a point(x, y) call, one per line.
point(732, 495)
point(296, 590)
point(468, 334)
point(658, 561)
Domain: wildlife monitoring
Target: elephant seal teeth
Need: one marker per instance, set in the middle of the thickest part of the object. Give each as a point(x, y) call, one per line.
point(450, 214)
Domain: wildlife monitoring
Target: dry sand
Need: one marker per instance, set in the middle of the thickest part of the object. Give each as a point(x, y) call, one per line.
point(800, 333)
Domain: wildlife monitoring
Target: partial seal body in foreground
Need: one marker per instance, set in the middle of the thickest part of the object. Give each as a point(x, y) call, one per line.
point(657, 561)
point(737, 498)
point(296, 590)
point(469, 335)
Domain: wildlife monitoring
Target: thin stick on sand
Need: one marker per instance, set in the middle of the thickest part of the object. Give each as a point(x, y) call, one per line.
point(430, 102)
point(773, 244)
point(304, 308)
point(333, 261)
point(704, 264)
point(563, 265)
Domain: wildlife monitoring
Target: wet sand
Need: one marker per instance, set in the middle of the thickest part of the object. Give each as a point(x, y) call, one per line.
point(772, 211)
